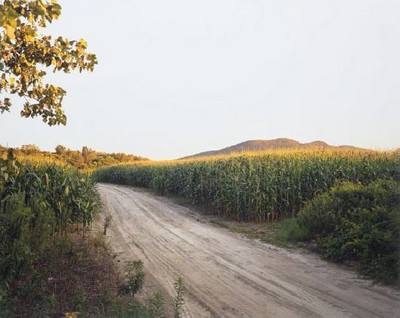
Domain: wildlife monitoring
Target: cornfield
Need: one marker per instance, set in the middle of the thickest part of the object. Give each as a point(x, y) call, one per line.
point(68, 193)
point(256, 187)
point(37, 204)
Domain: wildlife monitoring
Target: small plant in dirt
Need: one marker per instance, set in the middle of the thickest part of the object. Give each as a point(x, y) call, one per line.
point(156, 304)
point(106, 224)
point(134, 278)
point(178, 300)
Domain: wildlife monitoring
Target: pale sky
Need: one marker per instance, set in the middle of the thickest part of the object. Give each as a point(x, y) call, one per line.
point(180, 77)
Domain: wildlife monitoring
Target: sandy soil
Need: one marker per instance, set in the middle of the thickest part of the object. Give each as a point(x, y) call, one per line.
point(227, 275)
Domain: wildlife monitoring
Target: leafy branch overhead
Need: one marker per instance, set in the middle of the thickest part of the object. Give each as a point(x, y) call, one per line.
point(25, 55)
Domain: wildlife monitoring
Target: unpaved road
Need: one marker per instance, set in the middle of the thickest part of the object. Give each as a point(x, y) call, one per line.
point(227, 275)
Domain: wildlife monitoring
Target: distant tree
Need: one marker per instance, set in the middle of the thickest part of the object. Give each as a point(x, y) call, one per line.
point(87, 154)
point(60, 150)
point(119, 156)
point(25, 54)
point(30, 149)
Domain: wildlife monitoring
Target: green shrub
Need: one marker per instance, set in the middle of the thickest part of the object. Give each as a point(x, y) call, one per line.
point(361, 223)
point(291, 231)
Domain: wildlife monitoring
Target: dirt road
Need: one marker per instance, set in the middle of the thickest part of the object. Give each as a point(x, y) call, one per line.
point(230, 276)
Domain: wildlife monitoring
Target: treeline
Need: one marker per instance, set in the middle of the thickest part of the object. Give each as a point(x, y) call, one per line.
point(83, 159)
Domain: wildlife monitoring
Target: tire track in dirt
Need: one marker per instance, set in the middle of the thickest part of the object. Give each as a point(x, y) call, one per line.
point(229, 276)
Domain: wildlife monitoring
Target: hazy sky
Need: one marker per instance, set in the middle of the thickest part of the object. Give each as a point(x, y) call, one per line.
point(179, 77)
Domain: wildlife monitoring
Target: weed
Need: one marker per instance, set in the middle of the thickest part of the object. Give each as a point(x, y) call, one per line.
point(178, 300)
point(106, 224)
point(134, 278)
point(156, 304)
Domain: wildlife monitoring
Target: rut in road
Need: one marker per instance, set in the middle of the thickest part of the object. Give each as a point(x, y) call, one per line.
point(227, 275)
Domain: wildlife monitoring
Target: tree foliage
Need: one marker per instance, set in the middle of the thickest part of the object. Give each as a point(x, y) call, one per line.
point(25, 55)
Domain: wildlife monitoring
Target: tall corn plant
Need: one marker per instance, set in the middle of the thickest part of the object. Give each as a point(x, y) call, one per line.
point(69, 194)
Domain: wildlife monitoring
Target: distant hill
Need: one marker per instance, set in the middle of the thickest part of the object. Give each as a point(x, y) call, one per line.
point(260, 145)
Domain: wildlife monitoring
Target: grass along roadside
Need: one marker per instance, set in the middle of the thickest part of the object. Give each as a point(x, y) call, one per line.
point(265, 232)
point(282, 233)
